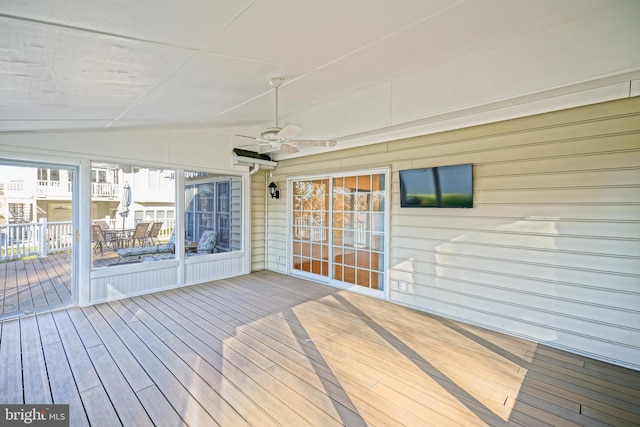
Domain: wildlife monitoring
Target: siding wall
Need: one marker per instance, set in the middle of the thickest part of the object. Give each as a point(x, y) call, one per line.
point(236, 214)
point(258, 222)
point(551, 249)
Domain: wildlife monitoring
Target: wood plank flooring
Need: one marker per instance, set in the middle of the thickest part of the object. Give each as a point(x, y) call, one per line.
point(32, 284)
point(36, 284)
point(267, 349)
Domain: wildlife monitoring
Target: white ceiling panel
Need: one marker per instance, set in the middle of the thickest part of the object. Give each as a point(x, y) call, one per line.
point(123, 123)
point(311, 34)
point(51, 125)
point(206, 86)
point(462, 29)
point(295, 94)
point(354, 66)
point(316, 87)
point(525, 66)
point(368, 108)
point(49, 72)
point(184, 23)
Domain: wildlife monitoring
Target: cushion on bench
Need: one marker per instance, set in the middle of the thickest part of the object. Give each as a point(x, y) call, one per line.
point(167, 248)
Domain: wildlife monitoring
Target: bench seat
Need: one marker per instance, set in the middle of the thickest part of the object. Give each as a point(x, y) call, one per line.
point(126, 254)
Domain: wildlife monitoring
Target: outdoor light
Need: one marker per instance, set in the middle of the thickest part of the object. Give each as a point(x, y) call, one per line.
point(273, 190)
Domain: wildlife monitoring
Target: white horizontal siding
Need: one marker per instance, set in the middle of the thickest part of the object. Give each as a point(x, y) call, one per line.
point(258, 189)
point(236, 214)
point(551, 249)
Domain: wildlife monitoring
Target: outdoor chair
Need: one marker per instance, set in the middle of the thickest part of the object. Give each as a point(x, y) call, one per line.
point(111, 238)
point(97, 238)
point(102, 238)
point(140, 234)
point(152, 233)
point(102, 224)
point(207, 243)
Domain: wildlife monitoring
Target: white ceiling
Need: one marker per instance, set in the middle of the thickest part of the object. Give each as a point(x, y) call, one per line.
point(352, 68)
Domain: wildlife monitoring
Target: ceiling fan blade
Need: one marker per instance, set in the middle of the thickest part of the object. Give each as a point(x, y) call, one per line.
point(286, 148)
point(259, 140)
point(288, 132)
point(244, 136)
point(275, 138)
point(315, 143)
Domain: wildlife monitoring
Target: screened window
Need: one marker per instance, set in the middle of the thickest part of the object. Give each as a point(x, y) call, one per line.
point(124, 202)
point(213, 208)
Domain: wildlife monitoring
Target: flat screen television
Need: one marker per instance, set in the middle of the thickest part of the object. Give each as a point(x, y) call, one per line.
point(437, 187)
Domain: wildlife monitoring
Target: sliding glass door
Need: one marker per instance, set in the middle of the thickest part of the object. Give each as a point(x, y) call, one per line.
point(38, 233)
point(311, 226)
point(358, 230)
point(338, 229)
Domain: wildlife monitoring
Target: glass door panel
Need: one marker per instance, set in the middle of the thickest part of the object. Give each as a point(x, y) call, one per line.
point(311, 226)
point(37, 232)
point(350, 248)
point(358, 214)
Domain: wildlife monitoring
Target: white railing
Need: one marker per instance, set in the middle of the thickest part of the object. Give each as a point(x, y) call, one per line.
point(48, 183)
point(43, 238)
point(57, 188)
point(13, 189)
point(104, 189)
point(34, 238)
point(14, 186)
point(308, 228)
point(48, 188)
point(168, 225)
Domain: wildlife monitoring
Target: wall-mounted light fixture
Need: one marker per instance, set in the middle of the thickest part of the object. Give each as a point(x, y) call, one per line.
point(273, 190)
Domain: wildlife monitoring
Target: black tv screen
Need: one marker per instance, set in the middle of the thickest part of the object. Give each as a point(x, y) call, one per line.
point(437, 187)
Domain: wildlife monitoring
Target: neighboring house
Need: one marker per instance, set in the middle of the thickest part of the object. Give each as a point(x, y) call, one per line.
point(29, 194)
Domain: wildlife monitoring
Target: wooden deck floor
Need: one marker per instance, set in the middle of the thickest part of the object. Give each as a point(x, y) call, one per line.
point(268, 349)
point(34, 283)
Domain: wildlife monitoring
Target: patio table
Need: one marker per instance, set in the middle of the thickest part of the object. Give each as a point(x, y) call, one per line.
point(123, 237)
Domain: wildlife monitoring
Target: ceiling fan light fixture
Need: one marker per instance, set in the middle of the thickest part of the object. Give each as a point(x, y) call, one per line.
point(271, 134)
point(281, 138)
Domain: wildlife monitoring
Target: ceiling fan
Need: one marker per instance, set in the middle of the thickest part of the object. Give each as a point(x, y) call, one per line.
point(278, 138)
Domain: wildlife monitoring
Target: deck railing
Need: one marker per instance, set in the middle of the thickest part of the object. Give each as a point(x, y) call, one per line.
point(44, 238)
point(34, 238)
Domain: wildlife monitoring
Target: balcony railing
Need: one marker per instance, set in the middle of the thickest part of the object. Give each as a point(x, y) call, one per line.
point(57, 188)
point(104, 189)
point(14, 186)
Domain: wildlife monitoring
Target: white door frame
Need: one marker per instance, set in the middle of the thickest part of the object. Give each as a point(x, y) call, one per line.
point(74, 165)
point(384, 294)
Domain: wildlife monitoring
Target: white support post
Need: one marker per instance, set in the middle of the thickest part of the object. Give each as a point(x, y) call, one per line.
point(43, 243)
